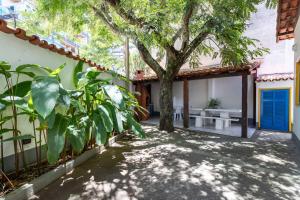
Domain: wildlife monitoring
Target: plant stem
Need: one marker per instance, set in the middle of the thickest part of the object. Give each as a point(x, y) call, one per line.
point(36, 148)
point(4, 175)
point(2, 153)
point(14, 125)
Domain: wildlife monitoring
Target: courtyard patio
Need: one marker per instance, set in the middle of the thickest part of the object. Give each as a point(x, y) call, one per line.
point(184, 165)
point(233, 130)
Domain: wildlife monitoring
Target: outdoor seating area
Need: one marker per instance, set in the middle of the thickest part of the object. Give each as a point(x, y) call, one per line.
point(220, 121)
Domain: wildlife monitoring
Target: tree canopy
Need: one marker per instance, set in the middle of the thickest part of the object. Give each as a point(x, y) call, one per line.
point(213, 27)
point(181, 29)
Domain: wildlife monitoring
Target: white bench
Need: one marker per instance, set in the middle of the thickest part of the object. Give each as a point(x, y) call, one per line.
point(220, 122)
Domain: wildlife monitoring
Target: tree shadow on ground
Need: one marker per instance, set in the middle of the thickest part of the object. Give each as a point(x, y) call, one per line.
point(185, 165)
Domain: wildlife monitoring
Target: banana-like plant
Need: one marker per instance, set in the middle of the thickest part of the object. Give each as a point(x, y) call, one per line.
point(69, 120)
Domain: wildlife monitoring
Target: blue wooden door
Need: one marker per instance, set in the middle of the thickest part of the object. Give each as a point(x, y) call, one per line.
point(275, 110)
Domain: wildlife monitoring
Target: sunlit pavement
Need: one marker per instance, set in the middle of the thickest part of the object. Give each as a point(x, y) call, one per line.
point(185, 165)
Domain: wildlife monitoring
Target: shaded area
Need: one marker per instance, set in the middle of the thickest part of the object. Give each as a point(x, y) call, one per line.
point(185, 165)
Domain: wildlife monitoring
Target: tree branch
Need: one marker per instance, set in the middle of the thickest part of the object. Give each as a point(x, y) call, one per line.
point(148, 59)
point(140, 23)
point(145, 54)
point(103, 15)
point(190, 6)
point(198, 39)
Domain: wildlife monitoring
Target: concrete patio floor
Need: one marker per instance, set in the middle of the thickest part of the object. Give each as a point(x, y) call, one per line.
point(185, 165)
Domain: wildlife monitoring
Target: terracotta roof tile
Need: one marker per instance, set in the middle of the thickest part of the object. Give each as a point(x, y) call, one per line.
point(287, 18)
point(205, 71)
point(275, 77)
point(35, 40)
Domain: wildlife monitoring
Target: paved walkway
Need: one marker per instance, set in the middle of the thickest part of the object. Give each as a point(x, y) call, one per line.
point(185, 165)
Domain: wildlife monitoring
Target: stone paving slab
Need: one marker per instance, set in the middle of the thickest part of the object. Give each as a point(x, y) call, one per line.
point(185, 165)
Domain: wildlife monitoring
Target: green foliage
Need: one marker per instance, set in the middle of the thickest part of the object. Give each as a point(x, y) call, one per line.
point(69, 118)
point(45, 92)
point(56, 138)
point(213, 103)
point(78, 68)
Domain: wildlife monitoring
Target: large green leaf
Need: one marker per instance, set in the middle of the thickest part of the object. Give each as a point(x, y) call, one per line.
point(56, 138)
point(31, 69)
point(76, 137)
point(100, 132)
point(105, 114)
point(114, 93)
point(92, 74)
point(18, 101)
point(20, 89)
point(117, 118)
point(78, 68)
point(63, 101)
point(135, 126)
point(45, 92)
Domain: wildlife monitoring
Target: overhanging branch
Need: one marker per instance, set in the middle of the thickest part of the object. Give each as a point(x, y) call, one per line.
point(190, 6)
point(130, 18)
point(148, 59)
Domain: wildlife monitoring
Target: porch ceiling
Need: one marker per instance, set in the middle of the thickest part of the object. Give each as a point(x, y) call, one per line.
point(207, 72)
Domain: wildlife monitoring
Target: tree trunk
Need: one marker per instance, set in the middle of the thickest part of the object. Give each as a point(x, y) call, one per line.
point(166, 104)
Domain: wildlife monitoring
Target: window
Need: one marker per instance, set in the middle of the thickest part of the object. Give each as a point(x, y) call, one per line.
point(298, 83)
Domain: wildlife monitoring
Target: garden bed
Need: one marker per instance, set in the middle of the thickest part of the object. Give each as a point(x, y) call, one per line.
point(31, 182)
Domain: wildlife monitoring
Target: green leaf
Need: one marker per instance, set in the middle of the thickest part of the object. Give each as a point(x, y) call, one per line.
point(4, 65)
point(92, 74)
point(5, 119)
point(21, 89)
point(99, 129)
point(135, 126)
point(76, 137)
point(117, 118)
point(56, 138)
point(78, 68)
point(49, 121)
point(45, 92)
point(114, 94)
point(31, 69)
point(5, 130)
point(18, 101)
point(106, 117)
point(58, 70)
point(19, 137)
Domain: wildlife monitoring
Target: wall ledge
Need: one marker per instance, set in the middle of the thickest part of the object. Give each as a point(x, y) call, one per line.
point(29, 189)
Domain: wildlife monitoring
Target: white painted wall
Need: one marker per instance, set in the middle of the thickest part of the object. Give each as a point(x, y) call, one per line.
point(262, 26)
point(17, 52)
point(296, 127)
point(228, 90)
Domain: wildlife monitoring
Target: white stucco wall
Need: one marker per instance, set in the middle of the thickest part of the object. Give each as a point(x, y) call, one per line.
point(17, 52)
point(296, 127)
point(228, 90)
point(262, 27)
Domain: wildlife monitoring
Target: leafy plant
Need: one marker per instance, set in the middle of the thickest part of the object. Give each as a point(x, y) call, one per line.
point(69, 120)
point(213, 103)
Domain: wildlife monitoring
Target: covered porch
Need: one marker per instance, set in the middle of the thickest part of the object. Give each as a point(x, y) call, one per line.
point(193, 90)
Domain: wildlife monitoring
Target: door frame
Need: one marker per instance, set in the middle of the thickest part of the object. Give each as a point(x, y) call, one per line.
point(290, 104)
